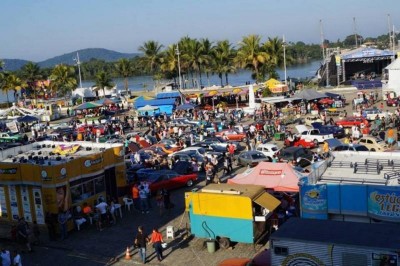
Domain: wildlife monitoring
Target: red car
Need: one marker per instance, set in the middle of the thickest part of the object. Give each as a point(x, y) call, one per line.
point(232, 135)
point(392, 101)
point(100, 128)
point(352, 121)
point(167, 179)
point(298, 142)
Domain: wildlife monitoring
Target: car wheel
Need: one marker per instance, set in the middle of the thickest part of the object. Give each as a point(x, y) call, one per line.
point(189, 183)
point(372, 149)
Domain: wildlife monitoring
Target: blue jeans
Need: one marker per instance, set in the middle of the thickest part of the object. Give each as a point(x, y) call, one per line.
point(63, 231)
point(158, 249)
point(142, 254)
point(144, 205)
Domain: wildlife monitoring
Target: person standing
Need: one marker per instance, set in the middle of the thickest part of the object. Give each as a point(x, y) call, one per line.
point(143, 200)
point(102, 208)
point(62, 221)
point(135, 196)
point(5, 257)
point(157, 240)
point(23, 233)
point(17, 258)
point(141, 241)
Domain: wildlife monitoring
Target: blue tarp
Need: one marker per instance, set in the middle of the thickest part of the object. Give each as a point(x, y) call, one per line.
point(164, 95)
point(367, 52)
point(165, 105)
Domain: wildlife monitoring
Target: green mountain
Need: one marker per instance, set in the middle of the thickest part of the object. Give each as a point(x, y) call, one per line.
point(84, 56)
point(13, 64)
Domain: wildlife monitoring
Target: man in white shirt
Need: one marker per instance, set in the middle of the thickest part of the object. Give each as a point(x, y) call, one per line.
point(102, 208)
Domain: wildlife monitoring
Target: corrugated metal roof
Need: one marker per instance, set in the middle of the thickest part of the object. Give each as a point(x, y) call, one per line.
point(366, 52)
point(382, 236)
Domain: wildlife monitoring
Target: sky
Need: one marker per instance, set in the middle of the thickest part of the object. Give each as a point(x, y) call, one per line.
point(37, 30)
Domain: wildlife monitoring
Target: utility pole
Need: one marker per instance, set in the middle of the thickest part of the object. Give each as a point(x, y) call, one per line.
point(78, 63)
point(390, 29)
point(284, 57)
point(179, 72)
point(355, 31)
point(322, 38)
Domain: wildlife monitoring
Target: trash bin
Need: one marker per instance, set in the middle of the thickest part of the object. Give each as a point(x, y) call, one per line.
point(211, 245)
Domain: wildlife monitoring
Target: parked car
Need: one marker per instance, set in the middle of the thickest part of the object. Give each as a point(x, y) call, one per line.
point(373, 143)
point(62, 125)
point(167, 179)
point(188, 157)
point(336, 131)
point(308, 120)
point(250, 158)
point(351, 147)
point(299, 142)
point(293, 153)
point(312, 134)
point(268, 149)
point(202, 152)
point(392, 101)
point(352, 121)
point(232, 135)
point(10, 137)
point(167, 148)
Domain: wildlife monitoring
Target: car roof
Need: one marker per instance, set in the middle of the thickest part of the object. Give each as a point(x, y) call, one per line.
point(267, 145)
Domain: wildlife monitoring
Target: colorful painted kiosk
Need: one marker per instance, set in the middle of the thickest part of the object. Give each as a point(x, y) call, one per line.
point(227, 212)
point(52, 176)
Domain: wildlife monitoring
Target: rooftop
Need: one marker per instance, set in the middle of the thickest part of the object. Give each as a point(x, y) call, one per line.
point(378, 168)
point(382, 236)
point(52, 152)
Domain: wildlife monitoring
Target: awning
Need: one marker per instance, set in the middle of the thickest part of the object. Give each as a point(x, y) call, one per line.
point(267, 201)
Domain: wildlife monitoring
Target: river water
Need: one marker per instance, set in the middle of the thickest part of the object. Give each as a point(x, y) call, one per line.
point(147, 83)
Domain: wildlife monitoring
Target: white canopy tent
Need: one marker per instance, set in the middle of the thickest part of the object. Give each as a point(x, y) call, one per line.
point(393, 71)
point(15, 112)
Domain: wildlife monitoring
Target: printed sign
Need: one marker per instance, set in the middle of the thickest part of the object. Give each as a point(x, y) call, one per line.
point(384, 203)
point(3, 203)
point(8, 171)
point(37, 198)
point(270, 172)
point(12, 126)
point(314, 198)
point(26, 204)
point(14, 203)
point(89, 163)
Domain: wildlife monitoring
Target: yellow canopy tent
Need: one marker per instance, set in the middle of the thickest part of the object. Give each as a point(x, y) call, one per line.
point(272, 83)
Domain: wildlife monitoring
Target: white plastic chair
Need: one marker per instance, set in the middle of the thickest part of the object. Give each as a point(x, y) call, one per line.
point(128, 202)
point(79, 221)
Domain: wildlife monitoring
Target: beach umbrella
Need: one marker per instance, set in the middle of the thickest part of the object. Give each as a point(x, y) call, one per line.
point(27, 119)
point(87, 105)
point(212, 93)
point(186, 106)
point(236, 90)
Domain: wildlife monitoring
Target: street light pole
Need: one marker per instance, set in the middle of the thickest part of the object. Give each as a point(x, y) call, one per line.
point(284, 57)
point(78, 62)
point(179, 71)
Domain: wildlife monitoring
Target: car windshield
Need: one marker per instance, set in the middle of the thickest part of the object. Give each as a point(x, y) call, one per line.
point(274, 148)
point(258, 156)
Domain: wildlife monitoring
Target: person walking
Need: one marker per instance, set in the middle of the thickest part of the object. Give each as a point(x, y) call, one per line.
point(157, 240)
point(140, 242)
point(17, 258)
point(143, 199)
point(5, 257)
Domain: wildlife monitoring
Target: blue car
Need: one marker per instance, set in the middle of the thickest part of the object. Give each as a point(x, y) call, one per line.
point(336, 131)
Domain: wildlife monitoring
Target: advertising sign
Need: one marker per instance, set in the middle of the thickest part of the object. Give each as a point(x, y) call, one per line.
point(14, 203)
point(26, 204)
point(37, 198)
point(314, 198)
point(384, 203)
point(3, 203)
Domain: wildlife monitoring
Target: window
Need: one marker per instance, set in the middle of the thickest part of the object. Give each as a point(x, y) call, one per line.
point(86, 187)
point(281, 251)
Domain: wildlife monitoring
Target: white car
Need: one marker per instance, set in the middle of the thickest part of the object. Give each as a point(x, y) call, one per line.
point(268, 149)
point(62, 125)
point(199, 151)
point(308, 120)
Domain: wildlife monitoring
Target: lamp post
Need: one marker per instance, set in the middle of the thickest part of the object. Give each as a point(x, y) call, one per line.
point(179, 71)
point(78, 63)
point(284, 56)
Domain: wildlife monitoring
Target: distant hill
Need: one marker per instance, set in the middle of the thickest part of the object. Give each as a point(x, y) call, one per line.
point(84, 56)
point(14, 64)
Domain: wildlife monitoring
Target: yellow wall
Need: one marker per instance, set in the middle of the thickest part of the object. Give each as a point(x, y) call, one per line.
point(220, 205)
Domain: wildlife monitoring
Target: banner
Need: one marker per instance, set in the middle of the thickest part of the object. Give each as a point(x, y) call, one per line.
point(14, 203)
point(314, 198)
point(37, 198)
point(384, 203)
point(12, 126)
point(26, 204)
point(3, 203)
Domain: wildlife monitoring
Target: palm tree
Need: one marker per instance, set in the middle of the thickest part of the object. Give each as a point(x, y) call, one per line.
point(223, 59)
point(274, 48)
point(32, 73)
point(250, 55)
point(63, 79)
point(169, 62)
point(152, 56)
point(124, 67)
point(207, 49)
point(10, 82)
point(102, 81)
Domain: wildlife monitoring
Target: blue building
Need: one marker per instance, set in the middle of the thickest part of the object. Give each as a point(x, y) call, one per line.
point(165, 105)
point(353, 186)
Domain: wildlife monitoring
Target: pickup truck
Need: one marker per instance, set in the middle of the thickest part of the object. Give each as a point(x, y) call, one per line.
point(372, 113)
point(312, 134)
